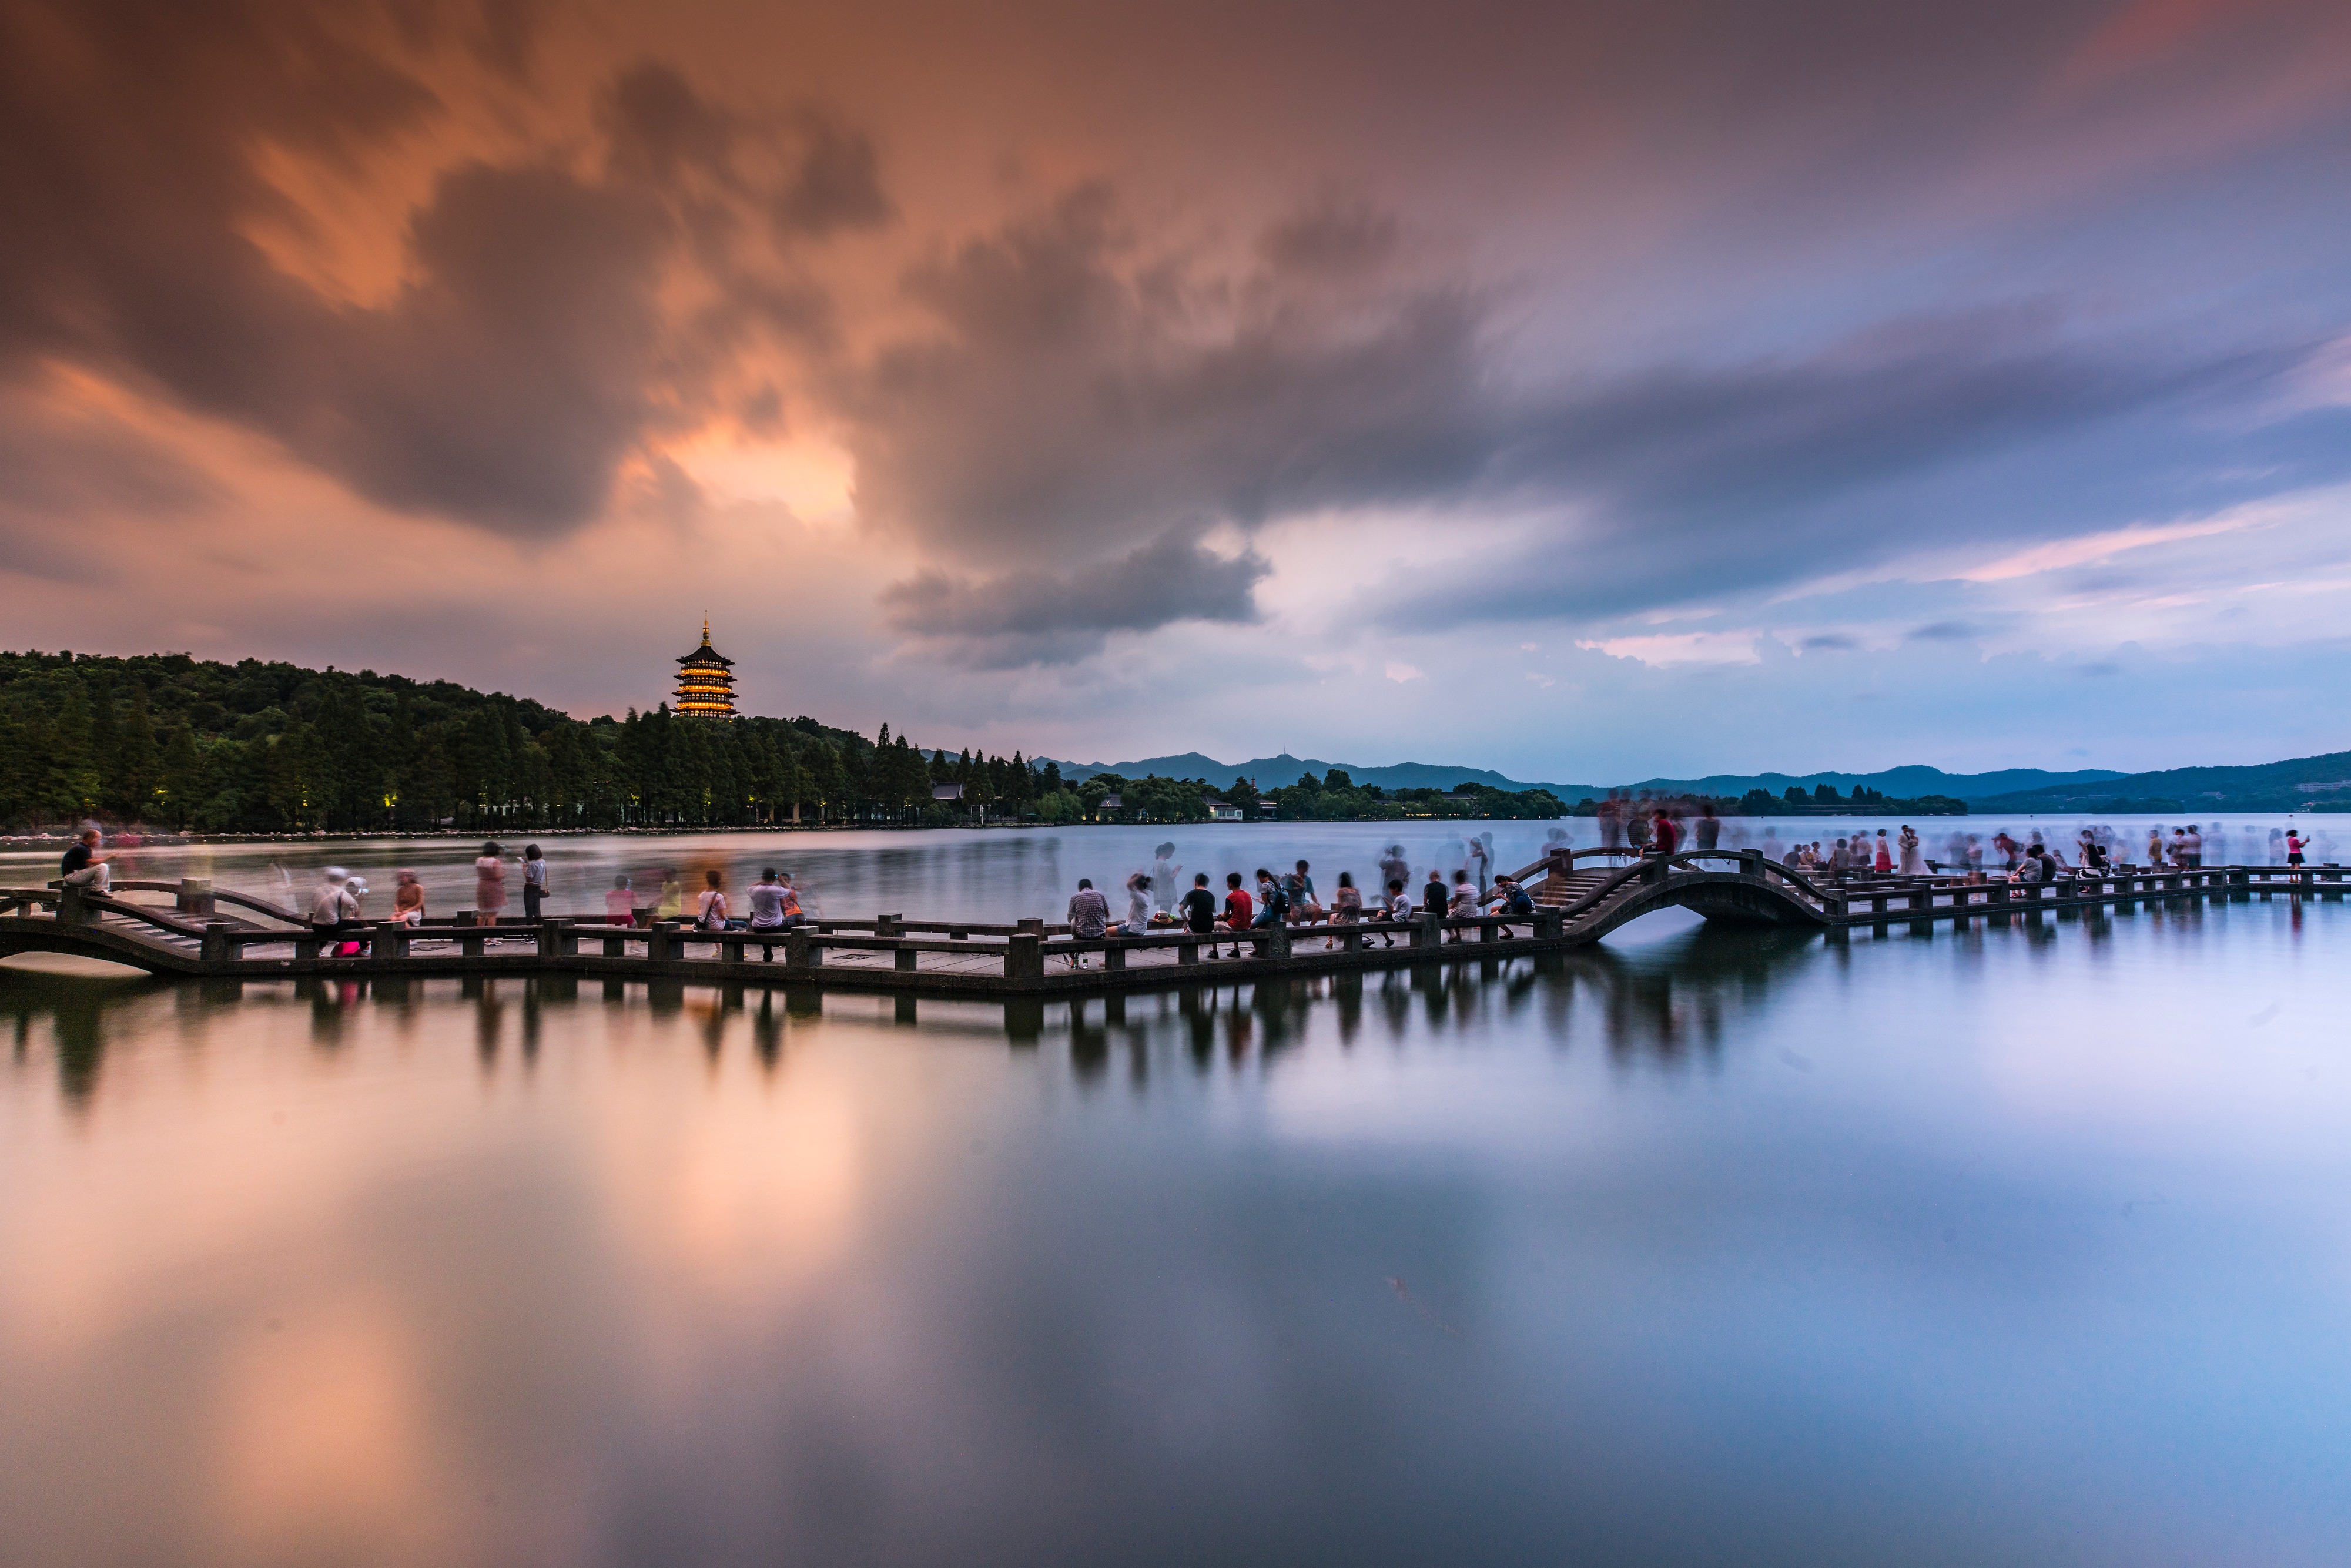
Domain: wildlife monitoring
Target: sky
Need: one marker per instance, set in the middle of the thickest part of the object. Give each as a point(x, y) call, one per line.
point(1589, 391)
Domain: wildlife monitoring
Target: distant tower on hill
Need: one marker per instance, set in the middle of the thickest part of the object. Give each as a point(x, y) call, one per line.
point(705, 688)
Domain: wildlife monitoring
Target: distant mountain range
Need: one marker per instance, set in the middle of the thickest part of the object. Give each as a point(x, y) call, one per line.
point(1902, 783)
point(2302, 783)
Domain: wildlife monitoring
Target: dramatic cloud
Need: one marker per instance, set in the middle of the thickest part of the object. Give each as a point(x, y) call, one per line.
point(1531, 374)
point(527, 351)
point(1033, 617)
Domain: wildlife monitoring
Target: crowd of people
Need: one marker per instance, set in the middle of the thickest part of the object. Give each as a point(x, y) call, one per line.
point(1291, 899)
point(1462, 880)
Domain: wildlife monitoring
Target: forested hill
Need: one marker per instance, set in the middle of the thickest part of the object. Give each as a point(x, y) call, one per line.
point(171, 741)
point(2300, 784)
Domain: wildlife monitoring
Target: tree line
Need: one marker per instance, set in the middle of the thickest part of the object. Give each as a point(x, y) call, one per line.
point(171, 741)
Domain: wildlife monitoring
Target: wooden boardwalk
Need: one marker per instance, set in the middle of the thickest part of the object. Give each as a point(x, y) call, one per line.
point(1581, 896)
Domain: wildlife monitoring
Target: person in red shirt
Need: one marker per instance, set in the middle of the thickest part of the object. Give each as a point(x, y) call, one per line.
point(1241, 909)
point(1662, 834)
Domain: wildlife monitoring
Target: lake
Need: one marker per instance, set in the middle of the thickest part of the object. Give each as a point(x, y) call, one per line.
point(2010, 1245)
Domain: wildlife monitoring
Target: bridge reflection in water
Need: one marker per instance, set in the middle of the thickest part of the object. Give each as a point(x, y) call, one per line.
point(1668, 1002)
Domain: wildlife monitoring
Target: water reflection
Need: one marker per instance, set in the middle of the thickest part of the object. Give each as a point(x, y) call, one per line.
point(1718, 1245)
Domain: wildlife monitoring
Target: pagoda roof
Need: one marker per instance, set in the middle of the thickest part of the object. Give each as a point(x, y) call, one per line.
point(706, 655)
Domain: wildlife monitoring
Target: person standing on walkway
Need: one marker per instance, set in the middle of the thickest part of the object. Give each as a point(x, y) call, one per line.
point(82, 866)
point(1884, 861)
point(1706, 833)
point(534, 883)
point(1908, 843)
point(489, 886)
point(2295, 844)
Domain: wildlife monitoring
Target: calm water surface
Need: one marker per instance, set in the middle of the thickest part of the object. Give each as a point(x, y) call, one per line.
point(2007, 1245)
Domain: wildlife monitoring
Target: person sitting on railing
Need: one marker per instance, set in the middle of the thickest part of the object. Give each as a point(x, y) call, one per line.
point(1464, 901)
point(1089, 916)
point(1299, 889)
point(1346, 900)
point(1239, 907)
point(407, 898)
point(1432, 895)
point(1199, 908)
point(1663, 835)
point(1510, 897)
point(1392, 906)
point(2028, 869)
point(82, 866)
point(710, 903)
point(774, 908)
point(1272, 903)
point(1138, 906)
point(2092, 852)
point(333, 903)
point(1794, 859)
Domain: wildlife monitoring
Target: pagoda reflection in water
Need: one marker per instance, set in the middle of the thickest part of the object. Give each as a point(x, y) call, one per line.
point(705, 684)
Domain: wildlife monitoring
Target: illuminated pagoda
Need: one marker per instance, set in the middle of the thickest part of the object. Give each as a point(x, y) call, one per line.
point(704, 688)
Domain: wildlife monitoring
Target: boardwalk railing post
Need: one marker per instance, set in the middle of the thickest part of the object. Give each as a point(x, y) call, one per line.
point(1550, 925)
point(801, 951)
point(663, 946)
point(215, 948)
point(889, 924)
point(196, 896)
point(1429, 930)
point(390, 940)
point(1024, 959)
point(71, 910)
point(1277, 940)
point(1750, 864)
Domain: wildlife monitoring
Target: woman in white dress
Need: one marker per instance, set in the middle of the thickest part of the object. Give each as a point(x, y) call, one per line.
point(1911, 865)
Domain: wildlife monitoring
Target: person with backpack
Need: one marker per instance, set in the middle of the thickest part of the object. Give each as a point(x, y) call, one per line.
point(1273, 904)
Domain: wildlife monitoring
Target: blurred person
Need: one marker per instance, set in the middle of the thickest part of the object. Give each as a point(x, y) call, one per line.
point(1164, 874)
point(1463, 901)
point(672, 906)
point(1911, 865)
point(1706, 833)
point(1884, 859)
point(1138, 906)
point(621, 902)
point(1346, 900)
point(2195, 847)
point(1482, 859)
point(1973, 855)
point(489, 886)
point(1393, 865)
point(332, 901)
